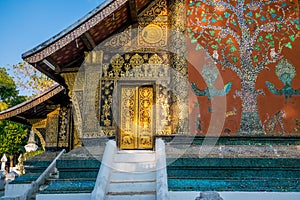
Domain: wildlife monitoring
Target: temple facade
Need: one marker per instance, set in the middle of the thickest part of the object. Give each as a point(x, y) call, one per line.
point(140, 69)
point(216, 81)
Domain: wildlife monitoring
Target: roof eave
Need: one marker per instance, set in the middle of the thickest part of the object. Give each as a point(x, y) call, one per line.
point(66, 31)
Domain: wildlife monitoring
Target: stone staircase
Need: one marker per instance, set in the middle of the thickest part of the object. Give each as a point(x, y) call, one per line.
point(78, 171)
point(133, 176)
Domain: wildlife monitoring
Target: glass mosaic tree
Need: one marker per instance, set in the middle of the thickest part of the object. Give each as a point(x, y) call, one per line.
point(244, 36)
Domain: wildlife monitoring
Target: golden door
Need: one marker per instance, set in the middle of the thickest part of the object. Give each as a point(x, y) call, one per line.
point(136, 117)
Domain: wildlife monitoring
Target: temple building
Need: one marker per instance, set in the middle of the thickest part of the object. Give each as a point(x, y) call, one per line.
point(219, 79)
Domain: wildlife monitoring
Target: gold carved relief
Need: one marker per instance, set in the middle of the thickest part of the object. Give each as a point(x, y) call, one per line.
point(136, 121)
point(152, 34)
point(145, 115)
point(128, 125)
point(141, 67)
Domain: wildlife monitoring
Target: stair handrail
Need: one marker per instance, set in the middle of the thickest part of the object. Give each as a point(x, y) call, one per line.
point(104, 174)
point(41, 179)
point(162, 191)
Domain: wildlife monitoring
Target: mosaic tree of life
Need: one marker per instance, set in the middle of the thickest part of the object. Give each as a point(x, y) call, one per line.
point(244, 36)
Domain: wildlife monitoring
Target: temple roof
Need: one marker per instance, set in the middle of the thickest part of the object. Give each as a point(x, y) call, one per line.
point(65, 51)
point(37, 107)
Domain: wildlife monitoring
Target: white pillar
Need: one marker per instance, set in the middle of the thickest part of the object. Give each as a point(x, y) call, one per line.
point(3, 161)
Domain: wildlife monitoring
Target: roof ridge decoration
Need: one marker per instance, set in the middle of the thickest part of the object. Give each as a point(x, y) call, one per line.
point(72, 32)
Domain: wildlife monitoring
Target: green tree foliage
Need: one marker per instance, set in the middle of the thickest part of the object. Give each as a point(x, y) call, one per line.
point(30, 79)
point(8, 91)
point(12, 135)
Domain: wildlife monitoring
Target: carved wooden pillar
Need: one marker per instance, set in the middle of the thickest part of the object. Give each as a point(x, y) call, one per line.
point(179, 76)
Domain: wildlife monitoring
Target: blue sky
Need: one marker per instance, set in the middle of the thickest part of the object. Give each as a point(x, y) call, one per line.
point(27, 23)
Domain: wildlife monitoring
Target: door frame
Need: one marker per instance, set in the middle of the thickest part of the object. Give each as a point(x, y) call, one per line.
point(117, 104)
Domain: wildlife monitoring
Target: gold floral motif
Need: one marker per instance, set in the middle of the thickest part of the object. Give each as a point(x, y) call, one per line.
point(63, 134)
point(136, 60)
point(106, 114)
point(117, 62)
point(108, 131)
point(155, 59)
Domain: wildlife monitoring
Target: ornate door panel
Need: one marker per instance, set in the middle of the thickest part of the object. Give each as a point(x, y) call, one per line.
point(136, 117)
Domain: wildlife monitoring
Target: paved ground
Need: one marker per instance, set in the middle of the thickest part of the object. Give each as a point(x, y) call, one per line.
point(240, 195)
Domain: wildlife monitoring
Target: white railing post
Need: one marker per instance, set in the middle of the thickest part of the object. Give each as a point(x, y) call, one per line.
point(162, 192)
point(104, 173)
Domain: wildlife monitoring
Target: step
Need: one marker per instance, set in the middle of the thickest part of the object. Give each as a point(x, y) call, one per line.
point(133, 187)
point(131, 197)
point(238, 185)
point(134, 151)
point(26, 178)
point(69, 186)
point(135, 167)
point(129, 177)
point(134, 157)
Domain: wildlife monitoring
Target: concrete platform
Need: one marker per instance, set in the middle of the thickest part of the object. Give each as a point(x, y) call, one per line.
point(240, 195)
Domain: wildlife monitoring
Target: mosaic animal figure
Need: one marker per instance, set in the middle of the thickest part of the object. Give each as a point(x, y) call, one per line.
point(231, 113)
point(274, 120)
point(297, 122)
